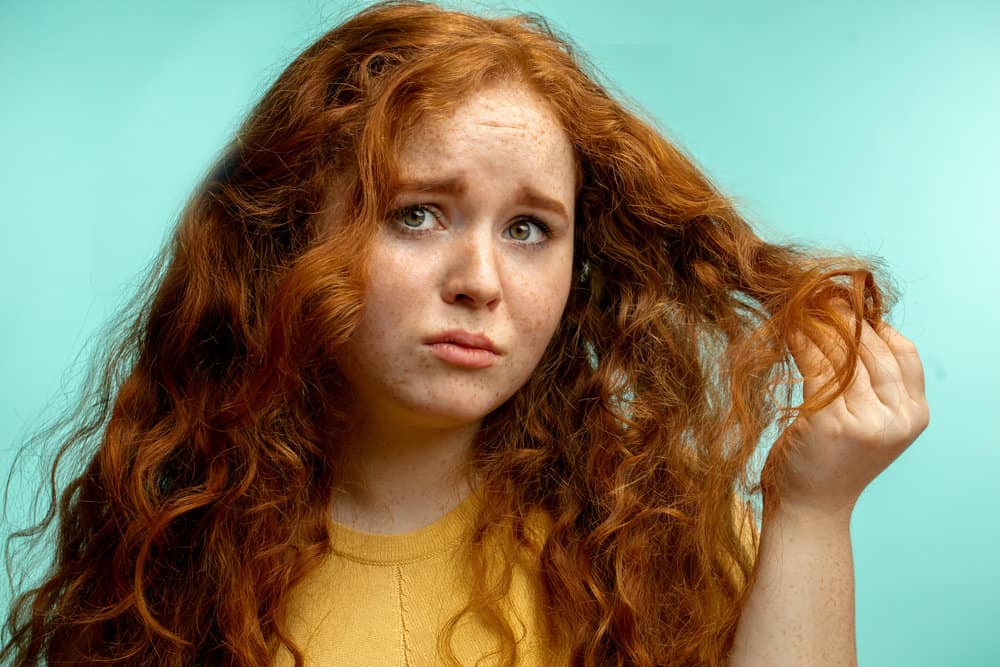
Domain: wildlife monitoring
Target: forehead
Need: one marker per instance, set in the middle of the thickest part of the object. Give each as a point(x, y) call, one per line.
point(505, 123)
point(503, 104)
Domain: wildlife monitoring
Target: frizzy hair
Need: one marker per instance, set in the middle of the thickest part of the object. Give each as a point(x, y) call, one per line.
point(207, 432)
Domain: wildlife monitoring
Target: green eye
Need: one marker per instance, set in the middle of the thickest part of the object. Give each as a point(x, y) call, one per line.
point(524, 227)
point(406, 215)
point(523, 232)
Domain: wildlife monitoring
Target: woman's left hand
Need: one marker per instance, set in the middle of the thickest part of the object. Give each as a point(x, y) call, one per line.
point(828, 458)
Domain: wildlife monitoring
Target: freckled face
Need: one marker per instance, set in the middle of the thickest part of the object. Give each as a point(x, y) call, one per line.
point(487, 250)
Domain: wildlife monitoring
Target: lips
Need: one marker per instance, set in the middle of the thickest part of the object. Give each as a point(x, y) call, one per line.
point(463, 349)
point(465, 339)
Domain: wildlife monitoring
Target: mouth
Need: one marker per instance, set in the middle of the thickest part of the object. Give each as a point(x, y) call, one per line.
point(464, 349)
point(464, 339)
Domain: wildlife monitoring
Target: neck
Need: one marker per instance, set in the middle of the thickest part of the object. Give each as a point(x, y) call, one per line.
point(399, 479)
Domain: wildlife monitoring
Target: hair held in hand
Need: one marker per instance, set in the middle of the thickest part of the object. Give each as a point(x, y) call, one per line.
point(207, 429)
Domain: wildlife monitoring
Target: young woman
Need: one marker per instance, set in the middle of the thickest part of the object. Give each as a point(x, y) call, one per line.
point(453, 357)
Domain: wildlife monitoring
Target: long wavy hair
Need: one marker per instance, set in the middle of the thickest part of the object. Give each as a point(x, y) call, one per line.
point(207, 432)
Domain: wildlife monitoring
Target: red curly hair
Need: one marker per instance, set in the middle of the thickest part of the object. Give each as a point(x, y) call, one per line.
point(205, 428)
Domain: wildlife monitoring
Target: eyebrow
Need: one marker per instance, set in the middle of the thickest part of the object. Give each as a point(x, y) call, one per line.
point(456, 187)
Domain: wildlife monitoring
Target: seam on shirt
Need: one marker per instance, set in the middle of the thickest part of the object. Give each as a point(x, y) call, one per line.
point(402, 615)
point(433, 553)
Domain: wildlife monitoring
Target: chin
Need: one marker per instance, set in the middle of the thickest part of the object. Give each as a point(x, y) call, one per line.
point(455, 414)
point(460, 415)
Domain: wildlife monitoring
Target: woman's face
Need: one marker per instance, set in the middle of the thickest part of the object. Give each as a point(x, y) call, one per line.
point(481, 242)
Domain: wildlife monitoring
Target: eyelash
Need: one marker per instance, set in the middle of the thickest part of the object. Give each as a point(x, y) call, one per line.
point(545, 229)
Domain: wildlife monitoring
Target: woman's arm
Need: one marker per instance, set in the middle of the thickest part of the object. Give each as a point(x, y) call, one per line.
point(801, 608)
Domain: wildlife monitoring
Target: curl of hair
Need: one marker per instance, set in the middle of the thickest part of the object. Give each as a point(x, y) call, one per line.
point(208, 429)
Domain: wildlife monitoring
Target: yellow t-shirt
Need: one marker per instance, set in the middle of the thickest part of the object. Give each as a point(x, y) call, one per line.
point(382, 600)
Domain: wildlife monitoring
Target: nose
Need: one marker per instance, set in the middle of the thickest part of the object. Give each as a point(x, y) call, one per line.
point(473, 273)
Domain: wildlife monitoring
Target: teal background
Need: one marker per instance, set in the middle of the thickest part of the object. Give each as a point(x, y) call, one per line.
point(865, 127)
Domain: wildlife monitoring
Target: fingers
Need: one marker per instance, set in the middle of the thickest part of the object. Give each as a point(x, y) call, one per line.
point(905, 353)
point(809, 359)
point(878, 376)
point(812, 363)
point(883, 369)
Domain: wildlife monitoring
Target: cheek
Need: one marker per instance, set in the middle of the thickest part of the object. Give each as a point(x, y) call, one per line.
point(378, 344)
point(392, 291)
point(541, 304)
